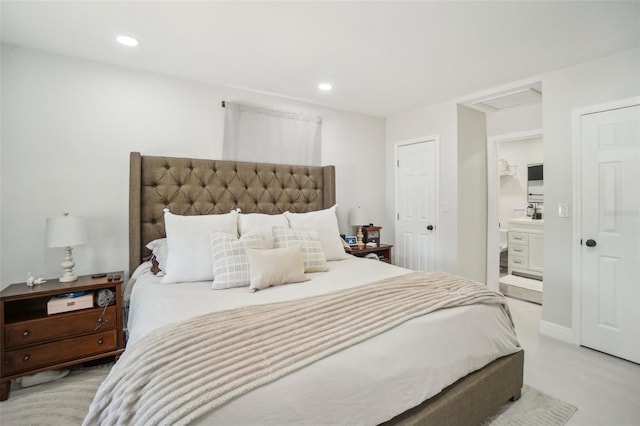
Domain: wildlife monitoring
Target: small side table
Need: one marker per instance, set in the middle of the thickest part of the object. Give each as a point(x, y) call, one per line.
point(383, 251)
point(35, 341)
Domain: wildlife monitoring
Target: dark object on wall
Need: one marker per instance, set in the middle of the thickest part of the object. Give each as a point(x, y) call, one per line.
point(535, 183)
point(535, 172)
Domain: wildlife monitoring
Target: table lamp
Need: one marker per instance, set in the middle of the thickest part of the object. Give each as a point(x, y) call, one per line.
point(359, 217)
point(66, 231)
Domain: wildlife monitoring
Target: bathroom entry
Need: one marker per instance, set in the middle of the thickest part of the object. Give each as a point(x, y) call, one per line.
point(506, 186)
point(520, 212)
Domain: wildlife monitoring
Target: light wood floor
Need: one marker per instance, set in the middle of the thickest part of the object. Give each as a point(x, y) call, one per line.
point(605, 389)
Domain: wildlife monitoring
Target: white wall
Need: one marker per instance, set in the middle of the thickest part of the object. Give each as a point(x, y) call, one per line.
point(69, 125)
point(513, 189)
point(602, 80)
point(513, 120)
point(472, 193)
point(462, 216)
point(432, 120)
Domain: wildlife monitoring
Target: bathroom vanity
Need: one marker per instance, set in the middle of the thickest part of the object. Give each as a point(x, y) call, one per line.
point(526, 238)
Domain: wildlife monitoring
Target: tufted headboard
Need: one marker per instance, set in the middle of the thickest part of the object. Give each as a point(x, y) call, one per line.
point(190, 186)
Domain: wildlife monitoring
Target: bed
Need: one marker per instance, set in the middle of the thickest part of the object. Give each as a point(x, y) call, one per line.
point(450, 367)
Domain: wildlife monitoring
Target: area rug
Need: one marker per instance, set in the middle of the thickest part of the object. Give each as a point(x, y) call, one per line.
point(534, 408)
point(66, 402)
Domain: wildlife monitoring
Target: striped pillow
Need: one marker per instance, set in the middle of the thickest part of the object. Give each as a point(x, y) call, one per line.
point(310, 245)
point(230, 263)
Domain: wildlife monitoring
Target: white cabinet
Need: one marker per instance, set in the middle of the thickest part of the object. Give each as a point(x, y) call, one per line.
point(526, 242)
point(536, 246)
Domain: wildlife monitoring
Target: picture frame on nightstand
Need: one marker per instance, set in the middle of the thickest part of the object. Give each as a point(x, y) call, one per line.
point(371, 234)
point(352, 240)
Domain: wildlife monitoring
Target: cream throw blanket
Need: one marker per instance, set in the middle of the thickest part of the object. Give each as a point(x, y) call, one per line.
point(181, 371)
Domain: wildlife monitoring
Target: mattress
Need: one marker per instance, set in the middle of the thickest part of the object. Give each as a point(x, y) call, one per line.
point(367, 383)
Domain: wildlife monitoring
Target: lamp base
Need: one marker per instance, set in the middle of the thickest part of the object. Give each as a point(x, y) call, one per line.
point(360, 236)
point(67, 267)
point(68, 278)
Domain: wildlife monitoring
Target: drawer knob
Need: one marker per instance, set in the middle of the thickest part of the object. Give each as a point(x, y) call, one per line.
point(25, 333)
point(100, 341)
point(26, 358)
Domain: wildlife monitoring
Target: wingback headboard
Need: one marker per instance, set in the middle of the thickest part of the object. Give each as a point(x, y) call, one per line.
point(190, 186)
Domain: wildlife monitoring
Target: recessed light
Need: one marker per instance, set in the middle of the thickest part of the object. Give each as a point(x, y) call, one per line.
point(127, 41)
point(325, 87)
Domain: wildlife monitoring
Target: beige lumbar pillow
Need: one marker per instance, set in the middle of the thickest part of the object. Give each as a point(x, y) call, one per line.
point(274, 267)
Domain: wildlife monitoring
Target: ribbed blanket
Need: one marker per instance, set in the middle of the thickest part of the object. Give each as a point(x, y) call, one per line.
point(182, 371)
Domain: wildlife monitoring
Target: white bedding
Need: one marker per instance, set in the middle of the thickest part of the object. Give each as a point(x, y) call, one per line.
point(365, 384)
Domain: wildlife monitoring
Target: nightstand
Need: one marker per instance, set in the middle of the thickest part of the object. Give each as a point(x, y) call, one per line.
point(34, 341)
point(383, 251)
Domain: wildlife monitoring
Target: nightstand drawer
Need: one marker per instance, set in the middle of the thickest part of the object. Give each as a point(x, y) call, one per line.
point(63, 350)
point(59, 326)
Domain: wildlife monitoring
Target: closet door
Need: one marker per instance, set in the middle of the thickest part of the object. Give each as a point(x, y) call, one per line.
point(610, 179)
point(416, 183)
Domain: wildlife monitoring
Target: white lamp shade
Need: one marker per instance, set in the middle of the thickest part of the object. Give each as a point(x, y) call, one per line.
point(66, 231)
point(358, 217)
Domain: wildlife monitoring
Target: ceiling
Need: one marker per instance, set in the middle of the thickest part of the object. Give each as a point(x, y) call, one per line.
point(381, 57)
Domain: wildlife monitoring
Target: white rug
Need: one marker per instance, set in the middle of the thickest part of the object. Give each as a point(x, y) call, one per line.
point(67, 400)
point(62, 402)
point(534, 408)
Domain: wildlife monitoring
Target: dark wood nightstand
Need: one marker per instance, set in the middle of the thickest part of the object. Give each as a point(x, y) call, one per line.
point(33, 341)
point(383, 251)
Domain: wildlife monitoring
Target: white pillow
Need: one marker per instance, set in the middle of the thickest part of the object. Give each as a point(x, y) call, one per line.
point(274, 267)
point(309, 244)
point(159, 250)
point(262, 223)
point(189, 244)
point(326, 222)
point(230, 264)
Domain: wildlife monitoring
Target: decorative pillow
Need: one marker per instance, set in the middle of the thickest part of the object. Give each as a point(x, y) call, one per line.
point(159, 255)
point(326, 222)
point(262, 223)
point(230, 264)
point(189, 244)
point(274, 267)
point(309, 244)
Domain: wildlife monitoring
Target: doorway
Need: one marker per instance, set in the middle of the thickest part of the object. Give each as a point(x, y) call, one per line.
point(416, 188)
point(514, 240)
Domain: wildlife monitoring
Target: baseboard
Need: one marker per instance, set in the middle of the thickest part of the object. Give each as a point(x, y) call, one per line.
point(558, 332)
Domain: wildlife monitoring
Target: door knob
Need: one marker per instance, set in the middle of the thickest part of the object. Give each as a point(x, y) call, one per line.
point(429, 227)
point(591, 243)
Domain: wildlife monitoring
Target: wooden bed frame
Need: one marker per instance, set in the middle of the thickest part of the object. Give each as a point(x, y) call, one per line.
point(195, 187)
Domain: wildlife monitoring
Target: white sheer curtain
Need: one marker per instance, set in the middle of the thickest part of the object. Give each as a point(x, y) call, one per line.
point(269, 136)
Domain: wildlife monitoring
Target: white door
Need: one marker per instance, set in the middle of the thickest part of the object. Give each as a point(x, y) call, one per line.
point(610, 179)
point(416, 185)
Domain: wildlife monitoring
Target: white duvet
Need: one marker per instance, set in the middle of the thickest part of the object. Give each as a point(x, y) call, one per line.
point(368, 383)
